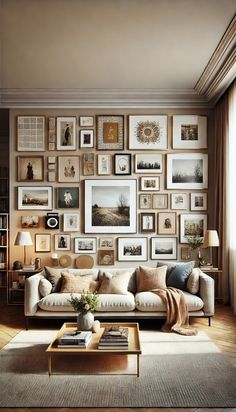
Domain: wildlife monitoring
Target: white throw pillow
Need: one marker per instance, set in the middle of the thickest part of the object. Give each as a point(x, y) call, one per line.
point(45, 287)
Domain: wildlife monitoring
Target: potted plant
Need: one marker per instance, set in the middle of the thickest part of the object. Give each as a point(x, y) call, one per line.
point(85, 305)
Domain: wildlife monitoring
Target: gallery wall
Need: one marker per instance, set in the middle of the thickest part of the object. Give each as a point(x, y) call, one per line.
point(16, 252)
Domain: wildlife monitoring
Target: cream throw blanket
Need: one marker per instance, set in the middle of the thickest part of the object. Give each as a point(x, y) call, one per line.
point(176, 310)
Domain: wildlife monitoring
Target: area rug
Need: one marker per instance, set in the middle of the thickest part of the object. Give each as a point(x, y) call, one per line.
point(175, 371)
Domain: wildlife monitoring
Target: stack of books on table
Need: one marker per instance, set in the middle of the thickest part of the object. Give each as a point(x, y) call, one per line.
point(114, 338)
point(76, 339)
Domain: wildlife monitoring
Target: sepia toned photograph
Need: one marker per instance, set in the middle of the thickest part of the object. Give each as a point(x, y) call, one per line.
point(132, 249)
point(62, 242)
point(30, 168)
point(192, 225)
point(163, 248)
point(29, 221)
point(150, 183)
point(35, 197)
point(148, 163)
point(148, 132)
point(189, 132)
point(166, 223)
point(85, 245)
point(198, 201)
point(145, 201)
point(67, 197)
point(187, 171)
point(179, 201)
point(86, 138)
point(108, 206)
point(88, 160)
point(71, 222)
point(106, 243)
point(147, 222)
point(110, 132)
point(66, 133)
point(160, 201)
point(106, 257)
point(68, 169)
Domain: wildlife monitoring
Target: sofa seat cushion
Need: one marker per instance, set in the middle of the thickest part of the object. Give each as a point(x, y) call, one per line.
point(116, 303)
point(149, 302)
point(57, 302)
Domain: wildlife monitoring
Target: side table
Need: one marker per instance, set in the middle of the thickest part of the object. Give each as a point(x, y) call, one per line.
point(16, 285)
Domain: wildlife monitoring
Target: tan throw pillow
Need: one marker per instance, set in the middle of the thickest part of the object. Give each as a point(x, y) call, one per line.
point(54, 277)
point(193, 281)
point(112, 284)
point(77, 283)
point(45, 287)
point(151, 278)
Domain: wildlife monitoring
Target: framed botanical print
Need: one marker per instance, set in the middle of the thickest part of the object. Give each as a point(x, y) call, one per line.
point(147, 222)
point(110, 132)
point(132, 249)
point(160, 201)
point(67, 197)
point(163, 248)
point(88, 160)
point(66, 133)
point(179, 201)
point(148, 132)
point(104, 165)
point(198, 201)
point(122, 164)
point(166, 223)
point(35, 198)
point(71, 222)
point(145, 201)
point(85, 245)
point(42, 242)
point(68, 169)
point(110, 206)
point(62, 242)
point(106, 257)
point(187, 171)
point(148, 163)
point(189, 132)
point(192, 225)
point(150, 183)
point(106, 243)
point(86, 138)
point(30, 133)
point(86, 121)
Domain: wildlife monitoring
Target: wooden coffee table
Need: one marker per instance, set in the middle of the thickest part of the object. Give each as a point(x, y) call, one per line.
point(134, 347)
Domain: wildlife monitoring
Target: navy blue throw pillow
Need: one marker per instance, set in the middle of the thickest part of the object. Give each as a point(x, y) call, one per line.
point(179, 275)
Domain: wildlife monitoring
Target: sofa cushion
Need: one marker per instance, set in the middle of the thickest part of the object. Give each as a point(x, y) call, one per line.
point(114, 284)
point(151, 278)
point(120, 271)
point(54, 275)
point(193, 281)
point(150, 302)
point(78, 284)
point(171, 265)
point(116, 303)
point(45, 287)
point(179, 275)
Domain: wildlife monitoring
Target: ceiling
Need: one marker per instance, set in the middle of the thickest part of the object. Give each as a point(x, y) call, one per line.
point(117, 49)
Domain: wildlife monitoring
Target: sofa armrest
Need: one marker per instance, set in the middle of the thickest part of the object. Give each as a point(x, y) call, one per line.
point(32, 295)
point(207, 293)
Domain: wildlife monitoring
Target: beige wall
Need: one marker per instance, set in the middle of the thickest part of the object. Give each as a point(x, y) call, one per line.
point(16, 252)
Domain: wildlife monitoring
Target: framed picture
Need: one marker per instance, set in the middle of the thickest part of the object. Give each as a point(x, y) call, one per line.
point(192, 225)
point(104, 165)
point(185, 252)
point(148, 163)
point(148, 132)
point(198, 201)
point(51, 133)
point(62, 242)
point(179, 201)
point(88, 164)
point(86, 138)
point(166, 223)
point(51, 176)
point(71, 222)
point(30, 168)
point(29, 221)
point(85, 245)
point(51, 160)
point(86, 121)
point(67, 197)
point(132, 249)
point(66, 133)
point(106, 243)
point(68, 169)
point(150, 183)
point(30, 133)
point(42, 242)
point(145, 201)
point(35, 197)
point(110, 132)
point(189, 132)
point(160, 201)
point(187, 171)
point(110, 206)
point(147, 222)
point(106, 257)
point(164, 248)
point(122, 164)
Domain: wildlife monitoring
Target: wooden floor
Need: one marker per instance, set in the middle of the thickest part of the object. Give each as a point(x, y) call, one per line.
point(222, 332)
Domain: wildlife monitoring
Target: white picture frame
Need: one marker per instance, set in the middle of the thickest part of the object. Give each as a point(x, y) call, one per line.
point(104, 165)
point(164, 248)
point(148, 132)
point(189, 132)
point(71, 222)
point(192, 225)
point(150, 183)
point(179, 201)
point(66, 133)
point(187, 171)
point(148, 163)
point(198, 201)
point(132, 249)
point(35, 197)
point(86, 121)
point(42, 242)
point(86, 138)
point(85, 245)
point(62, 241)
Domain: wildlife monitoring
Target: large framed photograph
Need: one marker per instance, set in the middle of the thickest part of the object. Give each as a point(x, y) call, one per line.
point(164, 248)
point(187, 171)
point(68, 169)
point(35, 198)
point(132, 249)
point(179, 201)
point(42, 242)
point(86, 138)
point(104, 165)
point(192, 225)
point(145, 201)
point(110, 206)
point(88, 160)
point(71, 222)
point(62, 242)
point(85, 245)
point(28, 222)
point(148, 163)
point(30, 168)
point(198, 201)
point(110, 132)
point(147, 222)
point(166, 223)
point(148, 132)
point(30, 133)
point(67, 197)
point(66, 133)
point(189, 132)
point(106, 257)
point(122, 164)
point(150, 183)
point(160, 201)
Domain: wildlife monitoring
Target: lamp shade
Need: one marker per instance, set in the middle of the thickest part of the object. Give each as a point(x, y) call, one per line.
point(23, 239)
point(211, 239)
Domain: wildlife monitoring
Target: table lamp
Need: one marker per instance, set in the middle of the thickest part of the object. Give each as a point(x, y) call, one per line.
point(23, 239)
point(210, 240)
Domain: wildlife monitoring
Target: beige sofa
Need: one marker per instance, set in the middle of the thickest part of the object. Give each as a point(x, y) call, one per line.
point(132, 305)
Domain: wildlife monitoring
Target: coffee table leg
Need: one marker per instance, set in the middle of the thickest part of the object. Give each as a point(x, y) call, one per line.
point(49, 365)
point(137, 366)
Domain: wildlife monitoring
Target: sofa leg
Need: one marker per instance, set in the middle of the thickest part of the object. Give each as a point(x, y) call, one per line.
point(209, 321)
point(26, 323)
